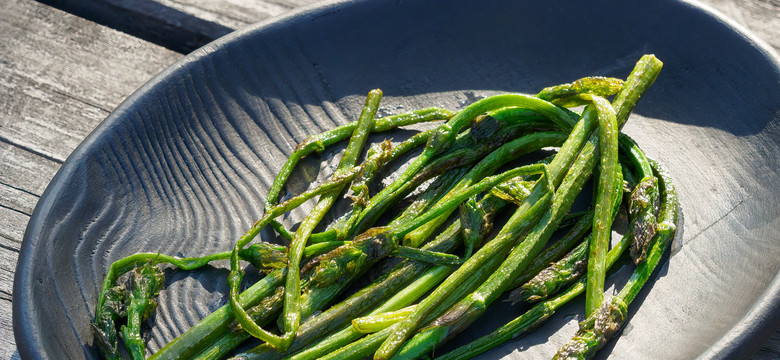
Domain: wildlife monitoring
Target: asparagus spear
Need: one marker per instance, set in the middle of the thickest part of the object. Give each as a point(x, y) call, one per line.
point(597, 85)
point(638, 81)
point(523, 218)
point(172, 353)
point(535, 316)
point(263, 314)
point(145, 283)
point(320, 141)
point(644, 201)
point(550, 280)
point(443, 138)
point(466, 150)
point(561, 273)
point(291, 314)
point(598, 328)
point(472, 306)
point(335, 317)
point(377, 322)
point(608, 189)
point(557, 250)
point(104, 324)
point(334, 271)
point(212, 327)
point(366, 346)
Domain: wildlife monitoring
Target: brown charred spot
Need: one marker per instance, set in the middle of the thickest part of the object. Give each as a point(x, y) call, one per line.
point(609, 319)
point(571, 350)
point(484, 126)
point(643, 209)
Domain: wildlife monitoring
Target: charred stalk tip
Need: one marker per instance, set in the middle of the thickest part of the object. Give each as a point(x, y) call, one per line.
point(339, 263)
point(104, 325)
point(550, 280)
point(476, 223)
point(596, 330)
point(484, 126)
point(264, 256)
point(610, 318)
point(643, 208)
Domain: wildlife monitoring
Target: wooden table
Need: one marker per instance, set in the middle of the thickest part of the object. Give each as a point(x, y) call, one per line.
point(64, 66)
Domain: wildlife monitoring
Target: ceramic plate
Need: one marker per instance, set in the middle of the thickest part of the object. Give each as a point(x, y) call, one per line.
point(182, 166)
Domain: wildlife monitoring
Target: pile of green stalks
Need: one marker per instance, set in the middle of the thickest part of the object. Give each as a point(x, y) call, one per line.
point(470, 218)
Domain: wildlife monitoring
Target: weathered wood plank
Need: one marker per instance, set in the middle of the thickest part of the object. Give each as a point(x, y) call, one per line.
point(180, 25)
point(234, 14)
point(23, 169)
point(9, 251)
point(60, 75)
point(63, 75)
point(7, 344)
point(168, 27)
point(11, 233)
point(16, 200)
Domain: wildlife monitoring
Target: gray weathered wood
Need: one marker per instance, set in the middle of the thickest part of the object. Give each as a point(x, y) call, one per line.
point(60, 75)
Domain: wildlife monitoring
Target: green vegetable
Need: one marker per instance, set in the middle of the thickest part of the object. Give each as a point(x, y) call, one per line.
point(451, 266)
point(611, 316)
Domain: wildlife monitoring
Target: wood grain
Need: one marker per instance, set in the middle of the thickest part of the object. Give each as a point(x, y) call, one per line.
point(60, 75)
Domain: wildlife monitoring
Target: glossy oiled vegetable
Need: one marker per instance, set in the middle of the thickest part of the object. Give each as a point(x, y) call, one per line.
point(440, 214)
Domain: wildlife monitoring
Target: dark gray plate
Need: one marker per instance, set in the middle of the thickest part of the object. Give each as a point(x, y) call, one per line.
point(182, 166)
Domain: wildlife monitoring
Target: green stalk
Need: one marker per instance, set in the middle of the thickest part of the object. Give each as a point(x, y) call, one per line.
point(536, 315)
point(145, 283)
point(560, 163)
point(639, 80)
point(445, 134)
point(263, 314)
point(375, 161)
point(291, 314)
point(216, 325)
point(608, 189)
point(597, 85)
point(504, 154)
point(598, 328)
point(466, 150)
point(108, 310)
point(403, 298)
point(644, 201)
point(521, 325)
point(320, 141)
point(378, 322)
point(472, 306)
point(366, 346)
point(336, 316)
point(521, 220)
point(553, 278)
point(542, 311)
point(557, 250)
point(399, 228)
point(431, 257)
point(291, 317)
point(331, 274)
